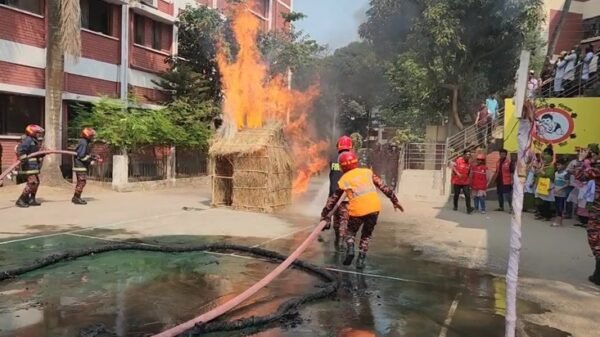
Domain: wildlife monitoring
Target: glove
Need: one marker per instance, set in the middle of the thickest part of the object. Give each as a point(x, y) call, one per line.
point(327, 224)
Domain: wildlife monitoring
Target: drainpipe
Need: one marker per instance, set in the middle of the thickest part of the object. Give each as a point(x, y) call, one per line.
point(124, 76)
point(270, 11)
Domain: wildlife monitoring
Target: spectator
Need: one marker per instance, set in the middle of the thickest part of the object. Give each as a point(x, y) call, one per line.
point(587, 61)
point(533, 85)
point(503, 179)
point(569, 77)
point(483, 124)
point(559, 73)
point(544, 189)
point(461, 170)
point(561, 185)
point(479, 183)
point(492, 106)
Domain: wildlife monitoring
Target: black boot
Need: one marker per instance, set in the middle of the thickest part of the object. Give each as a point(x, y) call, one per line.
point(33, 201)
point(22, 203)
point(77, 200)
point(360, 262)
point(349, 254)
point(595, 277)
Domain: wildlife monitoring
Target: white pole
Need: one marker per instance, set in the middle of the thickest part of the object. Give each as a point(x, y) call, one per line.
point(512, 272)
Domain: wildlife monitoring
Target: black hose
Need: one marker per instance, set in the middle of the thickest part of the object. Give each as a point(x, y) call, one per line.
point(287, 309)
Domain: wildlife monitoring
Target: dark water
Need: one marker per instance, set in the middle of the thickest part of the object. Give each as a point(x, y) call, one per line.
point(136, 293)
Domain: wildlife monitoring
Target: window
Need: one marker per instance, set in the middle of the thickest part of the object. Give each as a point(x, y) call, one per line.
point(33, 6)
point(157, 35)
point(96, 15)
point(138, 23)
point(16, 112)
point(591, 27)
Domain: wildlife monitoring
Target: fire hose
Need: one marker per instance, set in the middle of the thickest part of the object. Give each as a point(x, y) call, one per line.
point(227, 306)
point(33, 155)
point(201, 321)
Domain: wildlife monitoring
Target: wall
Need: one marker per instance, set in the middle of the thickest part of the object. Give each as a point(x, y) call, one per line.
point(579, 126)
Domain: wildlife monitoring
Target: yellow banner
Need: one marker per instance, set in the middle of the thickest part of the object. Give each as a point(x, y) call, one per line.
point(566, 123)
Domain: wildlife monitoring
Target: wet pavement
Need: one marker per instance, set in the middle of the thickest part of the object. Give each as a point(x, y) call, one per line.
point(140, 293)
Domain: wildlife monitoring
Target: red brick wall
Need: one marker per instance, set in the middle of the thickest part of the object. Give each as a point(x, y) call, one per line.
point(7, 157)
point(21, 75)
point(260, 7)
point(278, 21)
point(165, 7)
point(101, 48)
point(571, 32)
point(149, 96)
point(90, 86)
point(22, 28)
point(148, 60)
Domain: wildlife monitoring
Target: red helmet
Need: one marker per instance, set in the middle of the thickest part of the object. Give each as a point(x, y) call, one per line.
point(344, 143)
point(88, 133)
point(34, 130)
point(348, 161)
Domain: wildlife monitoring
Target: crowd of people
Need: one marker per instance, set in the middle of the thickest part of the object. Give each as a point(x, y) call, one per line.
point(555, 188)
point(575, 68)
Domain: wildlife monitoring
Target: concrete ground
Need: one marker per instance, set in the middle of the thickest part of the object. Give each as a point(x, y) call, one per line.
point(555, 262)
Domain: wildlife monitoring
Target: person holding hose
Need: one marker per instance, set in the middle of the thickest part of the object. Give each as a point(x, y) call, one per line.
point(30, 167)
point(82, 162)
point(360, 186)
point(340, 217)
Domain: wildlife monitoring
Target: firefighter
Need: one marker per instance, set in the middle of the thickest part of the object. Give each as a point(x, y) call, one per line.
point(340, 217)
point(360, 187)
point(81, 163)
point(30, 167)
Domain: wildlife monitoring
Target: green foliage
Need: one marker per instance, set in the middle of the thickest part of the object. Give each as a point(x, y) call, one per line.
point(132, 127)
point(283, 50)
point(404, 136)
point(293, 16)
point(357, 140)
point(428, 46)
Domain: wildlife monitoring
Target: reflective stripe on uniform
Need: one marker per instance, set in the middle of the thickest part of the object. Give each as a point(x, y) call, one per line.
point(29, 172)
point(86, 158)
point(79, 169)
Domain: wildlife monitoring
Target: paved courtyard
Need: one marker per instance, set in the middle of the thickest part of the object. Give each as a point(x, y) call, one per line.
point(430, 272)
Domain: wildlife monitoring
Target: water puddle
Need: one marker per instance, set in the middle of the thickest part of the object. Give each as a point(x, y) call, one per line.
point(140, 293)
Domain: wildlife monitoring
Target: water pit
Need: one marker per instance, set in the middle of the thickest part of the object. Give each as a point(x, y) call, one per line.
point(133, 293)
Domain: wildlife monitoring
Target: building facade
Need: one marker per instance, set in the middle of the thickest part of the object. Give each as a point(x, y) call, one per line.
point(581, 25)
point(124, 47)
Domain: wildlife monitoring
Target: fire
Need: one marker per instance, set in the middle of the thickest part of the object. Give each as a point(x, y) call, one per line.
point(252, 98)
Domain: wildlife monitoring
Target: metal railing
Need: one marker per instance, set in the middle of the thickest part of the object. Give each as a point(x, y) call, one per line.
point(424, 156)
point(190, 162)
point(474, 136)
point(574, 88)
point(148, 164)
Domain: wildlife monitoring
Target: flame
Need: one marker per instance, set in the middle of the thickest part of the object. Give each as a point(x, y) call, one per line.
point(252, 98)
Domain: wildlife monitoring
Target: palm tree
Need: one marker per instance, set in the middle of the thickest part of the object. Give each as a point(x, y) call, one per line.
point(64, 37)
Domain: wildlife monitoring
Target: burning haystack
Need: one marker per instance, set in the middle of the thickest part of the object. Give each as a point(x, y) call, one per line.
point(252, 170)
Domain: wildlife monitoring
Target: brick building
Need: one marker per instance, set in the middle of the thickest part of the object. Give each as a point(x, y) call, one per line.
point(581, 25)
point(124, 45)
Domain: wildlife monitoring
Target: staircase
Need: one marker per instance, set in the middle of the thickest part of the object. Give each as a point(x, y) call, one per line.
point(474, 137)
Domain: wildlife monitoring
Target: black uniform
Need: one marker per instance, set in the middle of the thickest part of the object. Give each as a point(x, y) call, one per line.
point(30, 169)
point(81, 164)
point(340, 217)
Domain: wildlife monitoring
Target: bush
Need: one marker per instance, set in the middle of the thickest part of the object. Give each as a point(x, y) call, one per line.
point(132, 127)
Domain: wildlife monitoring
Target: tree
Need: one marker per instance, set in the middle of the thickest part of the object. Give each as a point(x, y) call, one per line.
point(465, 49)
point(63, 27)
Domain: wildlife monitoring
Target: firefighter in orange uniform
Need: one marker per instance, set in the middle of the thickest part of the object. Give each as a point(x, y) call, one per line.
point(360, 187)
